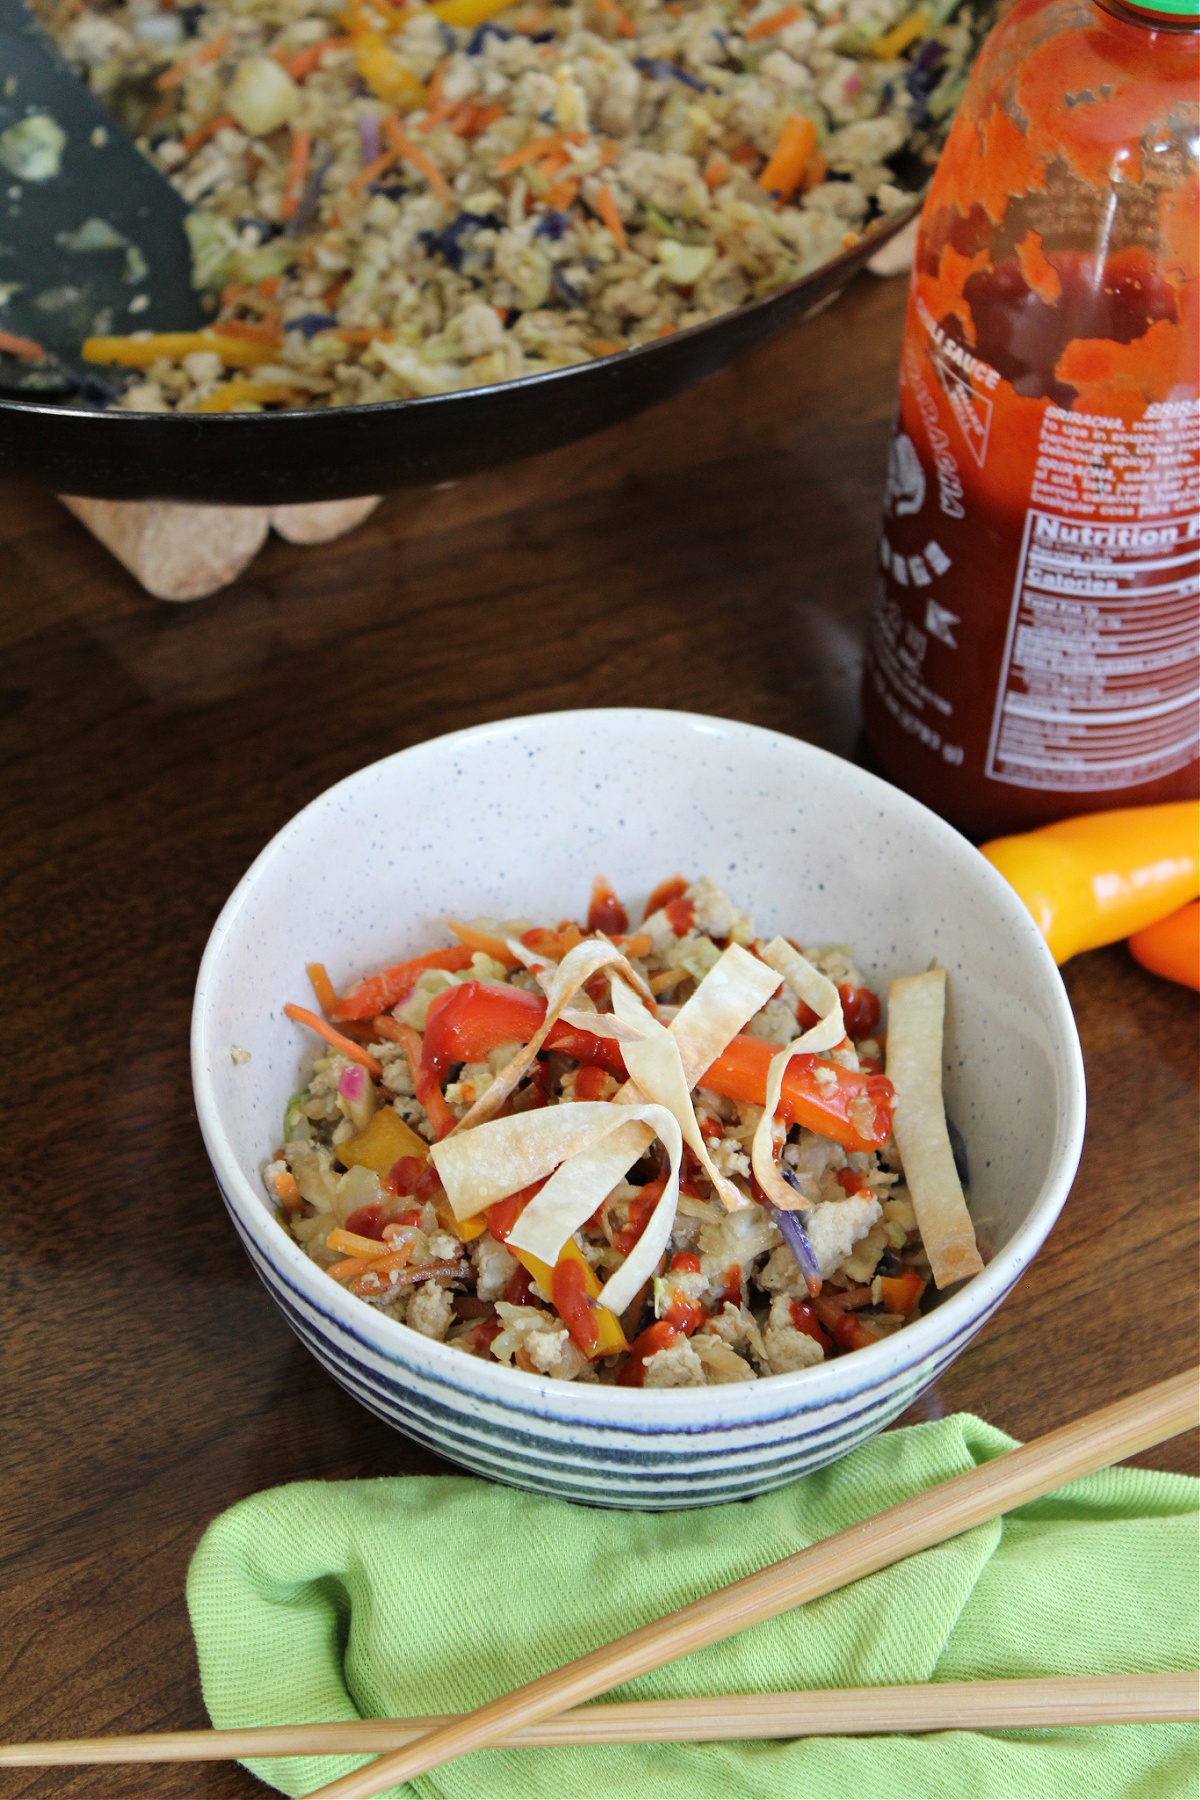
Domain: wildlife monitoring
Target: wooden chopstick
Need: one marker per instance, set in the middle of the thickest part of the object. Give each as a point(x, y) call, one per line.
point(954, 1506)
point(840, 1712)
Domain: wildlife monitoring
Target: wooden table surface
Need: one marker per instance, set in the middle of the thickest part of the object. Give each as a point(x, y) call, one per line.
point(715, 555)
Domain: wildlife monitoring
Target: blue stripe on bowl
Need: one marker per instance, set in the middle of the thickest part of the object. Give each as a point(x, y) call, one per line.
point(668, 1465)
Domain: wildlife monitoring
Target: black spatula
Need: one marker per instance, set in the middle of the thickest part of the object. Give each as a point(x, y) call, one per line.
point(91, 235)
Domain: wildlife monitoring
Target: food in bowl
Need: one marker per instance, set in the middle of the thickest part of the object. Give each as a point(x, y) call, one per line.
point(400, 201)
point(669, 1157)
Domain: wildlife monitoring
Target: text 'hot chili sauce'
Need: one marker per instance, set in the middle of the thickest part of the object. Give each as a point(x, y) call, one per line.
point(1033, 644)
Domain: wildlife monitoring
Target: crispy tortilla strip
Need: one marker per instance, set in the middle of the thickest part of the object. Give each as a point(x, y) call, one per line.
point(916, 1019)
point(819, 993)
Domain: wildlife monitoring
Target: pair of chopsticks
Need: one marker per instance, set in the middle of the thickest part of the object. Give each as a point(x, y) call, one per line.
point(537, 1713)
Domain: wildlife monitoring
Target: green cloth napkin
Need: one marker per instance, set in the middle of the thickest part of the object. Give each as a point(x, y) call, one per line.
point(430, 1594)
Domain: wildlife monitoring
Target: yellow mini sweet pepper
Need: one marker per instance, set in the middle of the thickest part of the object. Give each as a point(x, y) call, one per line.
point(1096, 879)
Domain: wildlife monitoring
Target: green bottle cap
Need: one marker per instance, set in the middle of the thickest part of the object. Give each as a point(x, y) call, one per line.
point(1187, 11)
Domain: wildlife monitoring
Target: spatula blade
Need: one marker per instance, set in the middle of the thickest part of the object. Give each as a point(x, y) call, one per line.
point(91, 235)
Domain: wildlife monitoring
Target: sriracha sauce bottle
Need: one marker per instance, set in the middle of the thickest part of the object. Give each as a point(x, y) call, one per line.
point(1033, 640)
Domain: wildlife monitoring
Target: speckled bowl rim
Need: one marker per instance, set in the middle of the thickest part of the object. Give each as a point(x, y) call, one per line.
point(634, 1409)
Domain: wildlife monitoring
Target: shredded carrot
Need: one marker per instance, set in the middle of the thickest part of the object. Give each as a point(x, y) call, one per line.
point(24, 347)
point(640, 944)
point(485, 941)
point(436, 108)
point(554, 164)
point(286, 1191)
point(179, 71)
point(562, 194)
point(775, 22)
point(302, 1016)
point(471, 119)
point(297, 175)
point(425, 1086)
point(658, 984)
point(786, 168)
point(259, 295)
point(381, 1264)
point(202, 133)
point(745, 155)
point(405, 147)
point(606, 206)
point(620, 20)
point(355, 1244)
point(387, 1029)
point(716, 171)
point(535, 149)
point(302, 62)
point(437, 115)
point(373, 1279)
point(373, 170)
point(665, 330)
point(602, 346)
point(608, 153)
point(363, 334)
point(322, 987)
point(261, 333)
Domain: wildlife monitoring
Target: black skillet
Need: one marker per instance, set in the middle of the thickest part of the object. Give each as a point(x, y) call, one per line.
point(339, 452)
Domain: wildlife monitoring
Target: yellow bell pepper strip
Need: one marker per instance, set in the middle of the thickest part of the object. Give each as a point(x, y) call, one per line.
point(896, 41)
point(1171, 946)
point(243, 391)
point(145, 347)
point(1093, 880)
point(571, 1283)
point(386, 1139)
point(573, 1286)
point(385, 74)
point(468, 13)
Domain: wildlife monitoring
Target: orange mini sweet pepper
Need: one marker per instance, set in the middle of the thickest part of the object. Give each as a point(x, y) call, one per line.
point(1171, 946)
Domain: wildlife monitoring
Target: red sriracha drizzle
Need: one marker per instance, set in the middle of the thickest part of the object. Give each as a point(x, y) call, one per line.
point(684, 1314)
point(606, 912)
point(659, 1336)
point(860, 1010)
point(574, 1305)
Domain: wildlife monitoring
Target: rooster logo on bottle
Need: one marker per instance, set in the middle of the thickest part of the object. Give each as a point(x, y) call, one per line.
point(905, 491)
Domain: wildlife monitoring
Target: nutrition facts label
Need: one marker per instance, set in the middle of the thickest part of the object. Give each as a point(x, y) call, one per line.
point(1101, 674)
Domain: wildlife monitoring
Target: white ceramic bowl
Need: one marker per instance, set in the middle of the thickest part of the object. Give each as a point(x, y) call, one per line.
point(517, 818)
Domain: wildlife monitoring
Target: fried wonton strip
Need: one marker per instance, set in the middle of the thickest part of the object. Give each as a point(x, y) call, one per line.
point(583, 1182)
point(728, 998)
point(562, 984)
point(916, 1020)
point(816, 991)
point(656, 1072)
point(601, 1025)
point(479, 1167)
point(819, 993)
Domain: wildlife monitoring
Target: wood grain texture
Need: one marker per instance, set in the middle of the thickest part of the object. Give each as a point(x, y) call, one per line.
point(716, 554)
